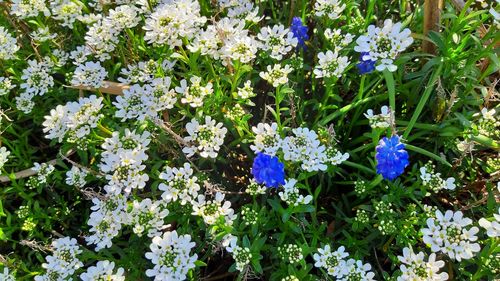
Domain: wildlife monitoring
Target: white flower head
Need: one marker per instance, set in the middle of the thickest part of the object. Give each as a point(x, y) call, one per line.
point(205, 139)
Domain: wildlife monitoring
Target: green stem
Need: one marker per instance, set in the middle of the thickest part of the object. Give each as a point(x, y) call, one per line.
point(423, 101)
point(391, 88)
point(104, 130)
point(359, 167)
point(427, 153)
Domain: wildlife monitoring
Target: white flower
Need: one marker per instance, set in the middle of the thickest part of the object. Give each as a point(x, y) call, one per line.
point(195, 93)
point(276, 75)
point(244, 92)
point(103, 270)
point(102, 38)
point(331, 261)
point(27, 9)
point(382, 120)
point(337, 39)
point(170, 255)
point(205, 139)
point(64, 261)
point(304, 147)
point(80, 54)
point(267, 138)
point(4, 154)
point(173, 21)
point(106, 220)
point(278, 39)
point(122, 161)
point(90, 74)
point(66, 11)
point(137, 102)
point(180, 184)
point(43, 34)
point(384, 44)
point(76, 177)
point(24, 102)
point(291, 194)
point(447, 233)
point(124, 16)
point(214, 210)
point(147, 216)
point(330, 8)
point(492, 227)
point(5, 85)
point(356, 270)
point(254, 188)
point(414, 267)
point(244, 10)
point(36, 78)
point(330, 64)
point(433, 181)
point(8, 45)
point(241, 48)
point(6, 276)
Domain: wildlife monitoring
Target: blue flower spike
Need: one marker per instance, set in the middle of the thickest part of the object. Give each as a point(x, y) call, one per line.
point(299, 31)
point(268, 170)
point(392, 158)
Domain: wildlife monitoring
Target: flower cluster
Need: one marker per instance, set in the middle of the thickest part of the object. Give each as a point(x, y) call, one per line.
point(392, 158)
point(330, 8)
point(241, 255)
point(42, 174)
point(214, 211)
point(73, 120)
point(291, 195)
point(433, 181)
point(384, 44)
point(291, 253)
point(106, 220)
point(205, 139)
point(103, 270)
point(144, 102)
point(303, 147)
point(267, 170)
point(170, 254)
point(195, 92)
point(180, 184)
point(414, 267)
point(63, 262)
point(330, 64)
point(8, 45)
point(122, 159)
point(76, 177)
point(278, 40)
point(337, 266)
point(447, 233)
point(380, 121)
point(90, 74)
point(147, 216)
point(276, 75)
point(173, 21)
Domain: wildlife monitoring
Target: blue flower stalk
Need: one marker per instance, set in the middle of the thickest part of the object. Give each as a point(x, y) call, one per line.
point(392, 158)
point(268, 170)
point(365, 65)
point(299, 31)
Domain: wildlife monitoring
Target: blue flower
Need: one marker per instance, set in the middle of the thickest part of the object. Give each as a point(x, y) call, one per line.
point(392, 158)
point(365, 65)
point(299, 31)
point(268, 170)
